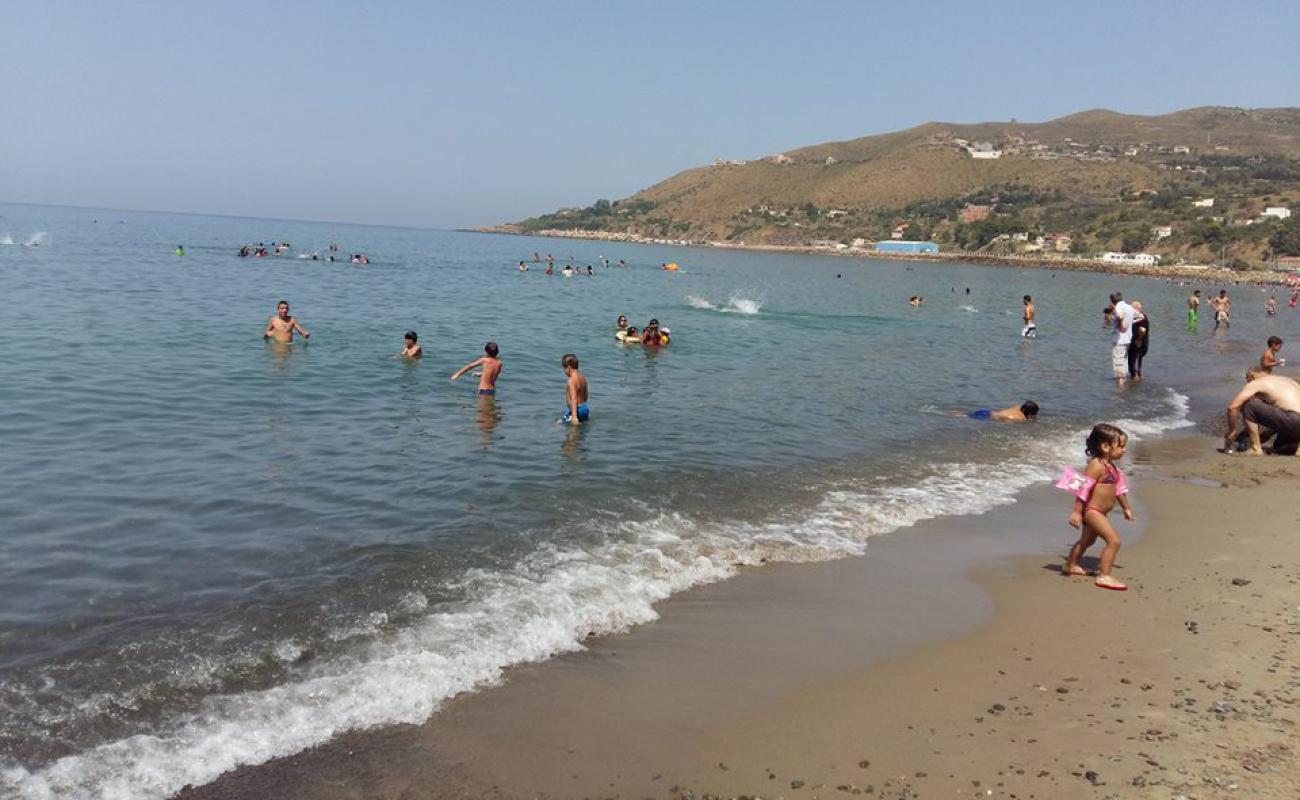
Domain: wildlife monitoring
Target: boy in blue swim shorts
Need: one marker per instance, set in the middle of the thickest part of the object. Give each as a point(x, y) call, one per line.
point(575, 392)
point(1026, 411)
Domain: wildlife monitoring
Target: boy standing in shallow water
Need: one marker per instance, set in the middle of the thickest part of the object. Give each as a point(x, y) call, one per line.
point(281, 326)
point(1269, 361)
point(1031, 329)
point(491, 365)
point(575, 392)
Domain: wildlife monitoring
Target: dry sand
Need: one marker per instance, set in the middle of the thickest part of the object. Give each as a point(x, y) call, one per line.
point(896, 676)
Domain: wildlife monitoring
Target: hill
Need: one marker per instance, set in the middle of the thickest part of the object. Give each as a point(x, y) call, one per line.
point(1092, 181)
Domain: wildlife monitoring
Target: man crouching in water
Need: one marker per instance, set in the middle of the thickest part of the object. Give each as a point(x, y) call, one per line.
point(575, 392)
point(282, 326)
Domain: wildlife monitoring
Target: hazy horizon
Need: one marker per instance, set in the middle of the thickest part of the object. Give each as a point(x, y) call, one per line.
point(447, 116)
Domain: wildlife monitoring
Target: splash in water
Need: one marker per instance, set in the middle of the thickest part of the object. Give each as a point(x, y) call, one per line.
point(971, 309)
point(736, 304)
point(37, 239)
point(6, 239)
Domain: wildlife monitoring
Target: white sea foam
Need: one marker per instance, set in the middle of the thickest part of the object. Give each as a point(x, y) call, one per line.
point(545, 605)
point(970, 309)
point(6, 239)
point(738, 303)
point(37, 239)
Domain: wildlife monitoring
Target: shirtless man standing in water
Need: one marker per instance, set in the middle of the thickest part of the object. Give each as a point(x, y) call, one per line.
point(282, 326)
point(1193, 309)
point(1222, 306)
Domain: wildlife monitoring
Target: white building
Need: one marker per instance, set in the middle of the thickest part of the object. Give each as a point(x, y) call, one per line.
point(1277, 212)
point(983, 150)
point(1162, 231)
point(1136, 259)
point(780, 158)
point(1206, 203)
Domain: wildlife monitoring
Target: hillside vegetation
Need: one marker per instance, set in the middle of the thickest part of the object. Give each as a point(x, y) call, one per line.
point(1085, 183)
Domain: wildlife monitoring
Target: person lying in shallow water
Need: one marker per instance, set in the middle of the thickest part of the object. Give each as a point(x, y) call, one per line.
point(1024, 412)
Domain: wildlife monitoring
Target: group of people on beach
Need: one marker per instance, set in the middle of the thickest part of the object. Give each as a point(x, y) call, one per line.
point(1264, 417)
point(1267, 408)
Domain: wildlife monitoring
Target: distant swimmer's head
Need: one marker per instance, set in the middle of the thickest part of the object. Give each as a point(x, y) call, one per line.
point(1275, 342)
point(569, 361)
point(1106, 441)
point(1028, 299)
point(491, 349)
point(654, 323)
point(622, 321)
point(411, 337)
point(1115, 297)
point(1222, 292)
point(1196, 292)
point(282, 308)
point(1030, 409)
point(631, 331)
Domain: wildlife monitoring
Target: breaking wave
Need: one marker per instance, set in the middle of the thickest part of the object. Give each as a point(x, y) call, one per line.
point(547, 604)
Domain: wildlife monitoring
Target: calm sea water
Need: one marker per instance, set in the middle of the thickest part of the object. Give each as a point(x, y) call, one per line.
point(214, 551)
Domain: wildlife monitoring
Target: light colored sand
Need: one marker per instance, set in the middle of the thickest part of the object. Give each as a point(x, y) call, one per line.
point(781, 683)
point(1185, 685)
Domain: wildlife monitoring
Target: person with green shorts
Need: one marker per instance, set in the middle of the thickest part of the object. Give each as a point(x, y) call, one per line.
point(1193, 309)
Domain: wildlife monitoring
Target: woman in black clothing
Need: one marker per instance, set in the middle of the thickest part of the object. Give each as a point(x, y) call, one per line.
point(1137, 348)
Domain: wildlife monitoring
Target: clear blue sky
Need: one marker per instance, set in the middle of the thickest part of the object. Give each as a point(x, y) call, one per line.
point(446, 115)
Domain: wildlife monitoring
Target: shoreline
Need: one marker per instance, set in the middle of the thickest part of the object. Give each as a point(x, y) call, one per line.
point(777, 682)
point(1188, 272)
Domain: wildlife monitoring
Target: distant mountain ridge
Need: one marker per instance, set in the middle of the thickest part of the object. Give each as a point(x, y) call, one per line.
point(1099, 176)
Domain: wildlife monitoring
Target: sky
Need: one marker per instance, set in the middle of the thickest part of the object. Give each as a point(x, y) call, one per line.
point(447, 115)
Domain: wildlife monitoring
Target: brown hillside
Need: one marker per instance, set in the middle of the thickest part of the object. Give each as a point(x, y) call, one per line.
point(1106, 177)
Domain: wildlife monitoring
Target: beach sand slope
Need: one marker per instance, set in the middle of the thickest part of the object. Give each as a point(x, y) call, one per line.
point(1185, 686)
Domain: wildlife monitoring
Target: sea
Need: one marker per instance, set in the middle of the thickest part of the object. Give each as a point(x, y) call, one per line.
point(215, 551)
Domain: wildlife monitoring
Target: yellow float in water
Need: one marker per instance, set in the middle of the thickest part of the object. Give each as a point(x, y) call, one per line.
point(671, 267)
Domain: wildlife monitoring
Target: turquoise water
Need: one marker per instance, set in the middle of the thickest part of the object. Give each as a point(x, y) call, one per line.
point(214, 551)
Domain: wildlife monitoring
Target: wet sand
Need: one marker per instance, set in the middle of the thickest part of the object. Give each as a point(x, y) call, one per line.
point(944, 663)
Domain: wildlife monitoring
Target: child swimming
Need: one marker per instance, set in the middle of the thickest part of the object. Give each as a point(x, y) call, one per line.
point(1096, 491)
point(411, 347)
point(1024, 412)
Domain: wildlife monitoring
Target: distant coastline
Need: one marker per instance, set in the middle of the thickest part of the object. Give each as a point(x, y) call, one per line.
point(1191, 272)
